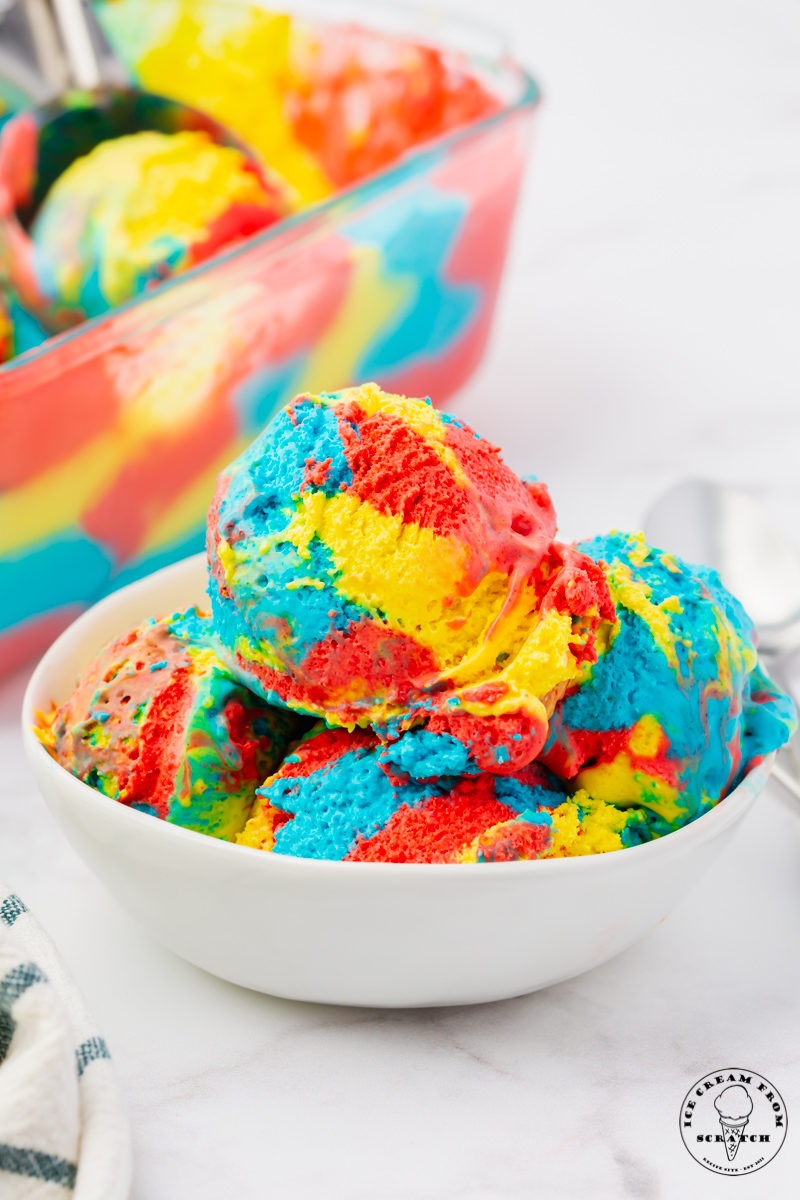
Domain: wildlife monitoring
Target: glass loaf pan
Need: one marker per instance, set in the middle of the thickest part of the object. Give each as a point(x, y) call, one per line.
point(112, 435)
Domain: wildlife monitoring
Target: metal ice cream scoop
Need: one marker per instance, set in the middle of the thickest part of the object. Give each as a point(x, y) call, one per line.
point(87, 102)
point(726, 529)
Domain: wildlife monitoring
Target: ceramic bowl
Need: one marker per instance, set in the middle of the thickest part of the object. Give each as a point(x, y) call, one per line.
point(382, 934)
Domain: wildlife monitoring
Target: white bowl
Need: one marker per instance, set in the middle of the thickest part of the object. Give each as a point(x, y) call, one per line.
point(385, 934)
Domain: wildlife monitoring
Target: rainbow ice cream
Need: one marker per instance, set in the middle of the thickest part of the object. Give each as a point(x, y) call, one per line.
point(348, 796)
point(375, 563)
point(487, 693)
point(675, 710)
point(139, 209)
point(324, 104)
point(156, 722)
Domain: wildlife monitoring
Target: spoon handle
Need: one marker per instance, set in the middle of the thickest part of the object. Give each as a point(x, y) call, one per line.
point(786, 779)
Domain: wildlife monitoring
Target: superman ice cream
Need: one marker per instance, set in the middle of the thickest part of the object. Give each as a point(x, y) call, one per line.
point(375, 563)
point(675, 709)
point(325, 104)
point(320, 107)
point(139, 209)
point(485, 692)
point(343, 795)
point(156, 722)
point(659, 728)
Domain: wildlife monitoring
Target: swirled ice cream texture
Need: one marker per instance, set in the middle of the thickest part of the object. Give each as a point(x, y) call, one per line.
point(158, 723)
point(375, 563)
point(139, 209)
point(347, 796)
point(675, 710)
point(325, 104)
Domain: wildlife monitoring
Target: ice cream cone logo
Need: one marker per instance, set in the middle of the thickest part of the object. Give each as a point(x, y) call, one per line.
point(734, 1106)
point(733, 1121)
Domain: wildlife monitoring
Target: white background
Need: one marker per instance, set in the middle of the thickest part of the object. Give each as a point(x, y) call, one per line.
point(649, 329)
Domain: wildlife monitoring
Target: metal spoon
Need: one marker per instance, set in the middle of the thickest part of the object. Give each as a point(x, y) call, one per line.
point(726, 529)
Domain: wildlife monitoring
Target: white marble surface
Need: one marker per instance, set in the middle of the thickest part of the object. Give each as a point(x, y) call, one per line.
point(648, 330)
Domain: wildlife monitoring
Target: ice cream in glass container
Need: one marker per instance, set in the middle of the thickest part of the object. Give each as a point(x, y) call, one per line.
point(388, 266)
point(318, 107)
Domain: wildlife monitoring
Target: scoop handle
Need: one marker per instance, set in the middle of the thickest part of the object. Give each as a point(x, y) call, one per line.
point(47, 47)
point(76, 36)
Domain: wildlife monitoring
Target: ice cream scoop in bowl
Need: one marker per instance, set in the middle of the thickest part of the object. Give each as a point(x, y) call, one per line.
point(61, 282)
point(382, 934)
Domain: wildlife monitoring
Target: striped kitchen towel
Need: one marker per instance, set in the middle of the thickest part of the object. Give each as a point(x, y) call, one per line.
point(63, 1131)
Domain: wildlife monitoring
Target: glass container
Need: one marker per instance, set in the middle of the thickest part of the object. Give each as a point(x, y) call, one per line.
point(112, 435)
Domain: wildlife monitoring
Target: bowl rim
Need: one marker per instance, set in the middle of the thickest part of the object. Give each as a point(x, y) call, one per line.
point(712, 823)
point(100, 333)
